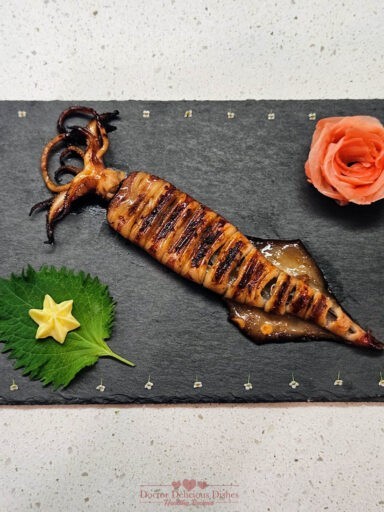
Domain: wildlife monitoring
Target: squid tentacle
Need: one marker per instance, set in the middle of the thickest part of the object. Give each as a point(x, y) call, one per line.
point(71, 151)
point(93, 177)
point(53, 187)
point(71, 111)
point(66, 169)
point(103, 119)
point(41, 205)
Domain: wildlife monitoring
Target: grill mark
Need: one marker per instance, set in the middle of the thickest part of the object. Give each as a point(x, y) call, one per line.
point(301, 303)
point(251, 278)
point(148, 220)
point(189, 232)
point(169, 225)
point(151, 193)
point(159, 222)
point(258, 274)
point(121, 222)
point(318, 308)
point(133, 207)
point(309, 306)
point(277, 301)
point(227, 261)
point(207, 239)
point(245, 278)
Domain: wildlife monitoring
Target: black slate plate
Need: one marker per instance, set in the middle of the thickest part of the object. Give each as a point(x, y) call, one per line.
point(250, 169)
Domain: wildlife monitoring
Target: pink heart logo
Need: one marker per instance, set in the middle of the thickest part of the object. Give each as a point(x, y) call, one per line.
point(189, 484)
point(202, 485)
point(176, 485)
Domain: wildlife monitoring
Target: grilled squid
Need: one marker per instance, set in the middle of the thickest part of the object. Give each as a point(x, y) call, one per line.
point(183, 234)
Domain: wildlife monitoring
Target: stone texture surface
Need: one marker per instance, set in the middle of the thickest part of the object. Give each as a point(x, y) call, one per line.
point(296, 458)
point(170, 49)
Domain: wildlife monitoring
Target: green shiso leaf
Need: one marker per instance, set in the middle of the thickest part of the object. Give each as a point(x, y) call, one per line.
point(45, 359)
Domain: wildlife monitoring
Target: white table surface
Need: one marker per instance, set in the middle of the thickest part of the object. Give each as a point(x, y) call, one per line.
point(282, 457)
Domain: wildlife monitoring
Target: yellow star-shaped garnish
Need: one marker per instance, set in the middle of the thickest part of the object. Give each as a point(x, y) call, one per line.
point(54, 320)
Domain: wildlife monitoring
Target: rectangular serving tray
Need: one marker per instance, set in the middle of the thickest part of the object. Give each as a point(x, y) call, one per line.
point(248, 166)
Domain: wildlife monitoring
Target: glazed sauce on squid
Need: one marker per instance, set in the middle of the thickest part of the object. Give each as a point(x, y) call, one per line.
point(292, 257)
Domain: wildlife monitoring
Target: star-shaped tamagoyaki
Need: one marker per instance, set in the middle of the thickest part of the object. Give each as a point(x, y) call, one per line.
point(54, 320)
